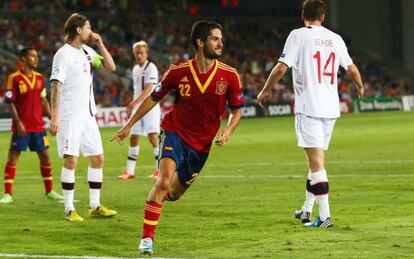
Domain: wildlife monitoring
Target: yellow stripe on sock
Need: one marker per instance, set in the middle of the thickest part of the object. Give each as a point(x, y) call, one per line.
point(50, 178)
point(151, 222)
point(8, 181)
point(153, 209)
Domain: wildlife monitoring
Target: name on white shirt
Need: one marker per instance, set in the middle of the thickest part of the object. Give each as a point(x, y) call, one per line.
point(324, 43)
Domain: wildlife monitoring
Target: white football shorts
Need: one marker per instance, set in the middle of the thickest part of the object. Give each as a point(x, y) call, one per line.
point(80, 135)
point(313, 132)
point(148, 124)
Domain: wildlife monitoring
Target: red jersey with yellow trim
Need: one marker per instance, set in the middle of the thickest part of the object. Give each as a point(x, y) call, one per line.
point(24, 92)
point(200, 100)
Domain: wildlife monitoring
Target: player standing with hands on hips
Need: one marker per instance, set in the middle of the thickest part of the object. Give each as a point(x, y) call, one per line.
point(203, 86)
point(73, 111)
point(314, 53)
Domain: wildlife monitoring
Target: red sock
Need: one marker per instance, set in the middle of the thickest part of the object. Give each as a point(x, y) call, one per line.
point(9, 173)
point(46, 170)
point(152, 213)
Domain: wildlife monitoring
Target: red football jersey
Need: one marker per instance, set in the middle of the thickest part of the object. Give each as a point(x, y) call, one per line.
point(200, 100)
point(25, 92)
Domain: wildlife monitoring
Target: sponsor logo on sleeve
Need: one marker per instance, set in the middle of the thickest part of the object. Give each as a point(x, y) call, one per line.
point(55, 71)
point(9, 94)
point(158, 87)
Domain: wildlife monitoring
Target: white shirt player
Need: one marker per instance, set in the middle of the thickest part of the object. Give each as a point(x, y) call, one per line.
point(315, 54)
point(142, 75)
point(71, 67)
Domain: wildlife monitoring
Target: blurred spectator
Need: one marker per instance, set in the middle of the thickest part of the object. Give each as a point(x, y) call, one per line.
point(125, 22)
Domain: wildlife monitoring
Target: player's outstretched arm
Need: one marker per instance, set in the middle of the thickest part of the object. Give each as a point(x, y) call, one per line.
point(353, 73)
point(143, 109)
point(277, 73)
point(55, 102)
point(224, 135)
point(145, 93)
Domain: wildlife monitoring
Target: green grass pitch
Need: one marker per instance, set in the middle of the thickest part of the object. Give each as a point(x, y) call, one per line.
point(241, 205)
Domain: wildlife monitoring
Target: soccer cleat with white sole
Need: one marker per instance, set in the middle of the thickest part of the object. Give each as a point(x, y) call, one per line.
point(146, 246)
point(303, 216)
point(318, 223)
point(6, 199)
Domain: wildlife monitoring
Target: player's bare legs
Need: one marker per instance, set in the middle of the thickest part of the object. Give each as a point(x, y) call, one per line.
point(318, 185)
point(164, 182)
point(176, 190)
point(96, 161)
point(154, 141)
point(13, 157)
point(70, 162)
point(316, 158)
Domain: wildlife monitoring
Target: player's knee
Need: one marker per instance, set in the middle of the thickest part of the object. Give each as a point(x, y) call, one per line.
point(97, 161)
point(69, 162)
point(13, 157)
point(163, 184)
point(316, 164)
point(44, 158)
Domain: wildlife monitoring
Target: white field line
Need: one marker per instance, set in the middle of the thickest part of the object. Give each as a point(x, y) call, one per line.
point(67, 256)
point(249, 176)
point(225, 165)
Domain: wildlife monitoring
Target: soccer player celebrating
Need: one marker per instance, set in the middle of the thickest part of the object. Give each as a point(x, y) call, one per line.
point(315, 54)
point(144, 77)
point(203, 87)
point(26, 94)
point(73, 111)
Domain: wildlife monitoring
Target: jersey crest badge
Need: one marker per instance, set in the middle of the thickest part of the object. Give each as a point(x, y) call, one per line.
point(221, 87)
point(22, 87)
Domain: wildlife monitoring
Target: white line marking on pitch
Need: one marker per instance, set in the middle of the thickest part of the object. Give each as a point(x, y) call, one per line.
point(69, 256)
point(255, 176)
point(213, 165)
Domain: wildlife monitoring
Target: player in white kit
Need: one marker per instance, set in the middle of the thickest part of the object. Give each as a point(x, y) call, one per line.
point(73, 111)
point(144, 77)
point(314, 53)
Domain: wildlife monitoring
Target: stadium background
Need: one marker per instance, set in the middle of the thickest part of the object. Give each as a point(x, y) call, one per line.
point(379, 36)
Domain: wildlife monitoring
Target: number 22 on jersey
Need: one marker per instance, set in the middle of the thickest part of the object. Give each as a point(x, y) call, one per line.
point(184, 89)
point(329, 64)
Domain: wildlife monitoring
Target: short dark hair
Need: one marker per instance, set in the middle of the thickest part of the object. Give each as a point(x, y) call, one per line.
point(72, 23)
point(313, 9)
point(201, 30)
point(23, 53)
